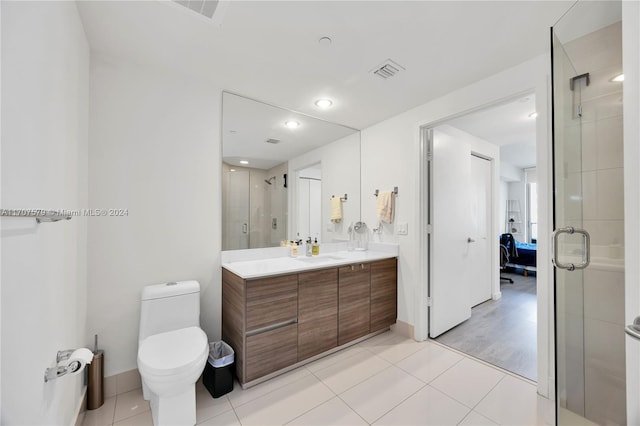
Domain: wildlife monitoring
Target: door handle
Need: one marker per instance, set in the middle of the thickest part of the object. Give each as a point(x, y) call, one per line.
point(586, 245)
point(245, 228)
point(470, 240)
point(633, 330)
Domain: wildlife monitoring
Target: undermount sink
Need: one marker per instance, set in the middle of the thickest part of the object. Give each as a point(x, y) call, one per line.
point(319, 259)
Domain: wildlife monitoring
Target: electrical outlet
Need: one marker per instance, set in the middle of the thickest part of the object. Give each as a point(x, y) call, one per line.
point(403, 228)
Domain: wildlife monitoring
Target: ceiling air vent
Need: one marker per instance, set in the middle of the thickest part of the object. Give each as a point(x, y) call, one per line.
point(387, 69)
point(207, 8)
point(273, 141)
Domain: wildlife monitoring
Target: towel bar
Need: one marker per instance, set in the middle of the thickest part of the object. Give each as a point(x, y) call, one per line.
point(395, 191)
point(343, 199)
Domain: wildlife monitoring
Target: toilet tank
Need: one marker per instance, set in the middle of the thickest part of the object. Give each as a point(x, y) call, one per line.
point(168, 307)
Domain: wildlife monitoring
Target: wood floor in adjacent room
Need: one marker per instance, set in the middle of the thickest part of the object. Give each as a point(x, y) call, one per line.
point(502, 332)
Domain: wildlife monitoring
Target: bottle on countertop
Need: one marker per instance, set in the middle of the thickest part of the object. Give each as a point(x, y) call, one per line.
point(308, 247)
point(294, 249)
point(315, 249)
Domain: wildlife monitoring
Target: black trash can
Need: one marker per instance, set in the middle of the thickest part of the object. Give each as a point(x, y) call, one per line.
point(218, 373)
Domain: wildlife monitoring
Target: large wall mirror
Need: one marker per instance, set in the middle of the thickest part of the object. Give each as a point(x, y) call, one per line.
point(285, 176)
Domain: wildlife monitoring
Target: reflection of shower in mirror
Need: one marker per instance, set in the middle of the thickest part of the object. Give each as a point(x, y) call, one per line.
point(269, 181)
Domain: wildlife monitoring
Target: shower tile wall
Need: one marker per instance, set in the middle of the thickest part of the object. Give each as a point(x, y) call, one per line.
point(599, 54)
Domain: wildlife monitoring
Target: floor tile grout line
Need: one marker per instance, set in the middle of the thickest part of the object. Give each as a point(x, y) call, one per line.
point(465, 416)
point(485, 397)
point(365, 379)
point(346, 358)
point(316, 406)
point(399, 403)
point(353, 409)
point(356, 384)
point(461, 402)
point(274, 389)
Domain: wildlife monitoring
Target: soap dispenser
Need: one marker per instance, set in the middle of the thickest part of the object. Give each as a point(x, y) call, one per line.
point(308, 247)
point(294, 249)
point(315, 250)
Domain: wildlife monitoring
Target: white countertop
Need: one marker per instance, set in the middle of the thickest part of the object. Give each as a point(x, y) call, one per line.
point(258, 268)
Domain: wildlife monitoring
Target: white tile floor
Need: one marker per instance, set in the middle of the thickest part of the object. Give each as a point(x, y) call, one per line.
point(386, 380)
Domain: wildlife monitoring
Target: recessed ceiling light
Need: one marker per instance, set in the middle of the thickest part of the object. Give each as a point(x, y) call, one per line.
point(244, 162)
point(618, 78)
point(324, 103)
point(533, 115)
point(232, 170)
point(292, 124)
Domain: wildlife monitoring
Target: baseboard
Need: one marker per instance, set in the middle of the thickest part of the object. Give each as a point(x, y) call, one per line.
point(497, 295)
point(404, 329)
point(81, 409)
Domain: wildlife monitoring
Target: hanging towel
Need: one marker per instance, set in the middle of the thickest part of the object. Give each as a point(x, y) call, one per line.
point(386, 206)
point(336, 209)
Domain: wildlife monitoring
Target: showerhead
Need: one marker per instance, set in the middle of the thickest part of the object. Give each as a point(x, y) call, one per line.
point(269, 181)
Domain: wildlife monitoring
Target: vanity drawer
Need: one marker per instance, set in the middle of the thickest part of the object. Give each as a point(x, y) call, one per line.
point(271, 351)
point(271, 301)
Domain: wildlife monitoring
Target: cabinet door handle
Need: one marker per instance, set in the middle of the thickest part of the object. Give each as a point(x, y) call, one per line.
point(362, 266)
point(353, 268)
point(271, 327)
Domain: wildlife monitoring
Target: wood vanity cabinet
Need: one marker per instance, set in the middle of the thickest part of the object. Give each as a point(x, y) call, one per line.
point(259, 321)
point(278, 321)
point(354, 301)
point(317, 312)
point(384, 294)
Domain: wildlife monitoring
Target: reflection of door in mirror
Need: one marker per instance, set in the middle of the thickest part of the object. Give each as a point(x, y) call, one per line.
point(254, 210)
point(309, 202)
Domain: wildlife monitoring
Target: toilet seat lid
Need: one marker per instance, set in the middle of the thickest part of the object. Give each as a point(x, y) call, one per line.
point(168, 353)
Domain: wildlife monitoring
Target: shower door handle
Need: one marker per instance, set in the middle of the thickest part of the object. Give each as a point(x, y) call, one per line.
point(633, 330)
point(586, 245)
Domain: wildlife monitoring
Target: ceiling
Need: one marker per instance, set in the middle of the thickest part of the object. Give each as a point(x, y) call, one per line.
point(270, 50)
point(507, 125)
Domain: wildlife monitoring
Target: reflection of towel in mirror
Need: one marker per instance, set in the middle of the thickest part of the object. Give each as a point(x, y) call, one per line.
point(386, 206)
point(336, 209)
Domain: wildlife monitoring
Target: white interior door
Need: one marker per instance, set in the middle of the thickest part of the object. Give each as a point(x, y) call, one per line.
point(449, 287)
point(481, 216)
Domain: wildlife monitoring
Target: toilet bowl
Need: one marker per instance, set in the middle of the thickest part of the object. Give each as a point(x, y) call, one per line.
point(169, 364)
point(172, 350)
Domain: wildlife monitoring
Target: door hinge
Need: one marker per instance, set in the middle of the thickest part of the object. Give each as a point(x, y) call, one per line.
point(429, 301)
point(429, 229)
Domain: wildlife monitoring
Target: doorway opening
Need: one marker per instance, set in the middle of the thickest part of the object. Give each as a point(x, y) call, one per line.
point(482, 193)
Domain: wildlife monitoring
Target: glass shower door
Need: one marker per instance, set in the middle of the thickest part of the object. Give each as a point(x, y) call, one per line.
point(588, 240)
point(568, 208)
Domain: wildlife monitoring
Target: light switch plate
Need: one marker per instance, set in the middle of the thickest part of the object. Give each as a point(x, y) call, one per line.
point(403, 228)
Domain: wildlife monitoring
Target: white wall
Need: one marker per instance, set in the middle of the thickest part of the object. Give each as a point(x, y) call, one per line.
point(391, 157)
point(154, 150)
point(45, 82)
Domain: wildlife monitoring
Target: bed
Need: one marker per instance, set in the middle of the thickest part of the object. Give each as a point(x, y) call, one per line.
point(526, 254)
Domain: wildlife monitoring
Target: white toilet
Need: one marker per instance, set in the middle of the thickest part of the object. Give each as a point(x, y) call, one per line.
point(172, 350)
